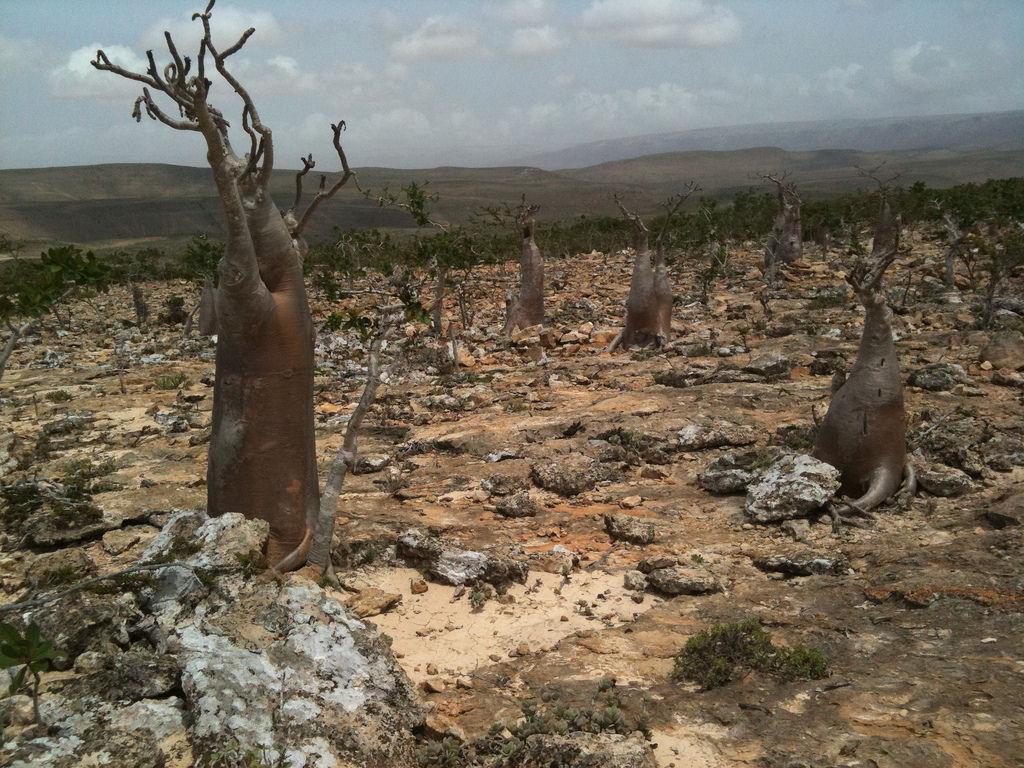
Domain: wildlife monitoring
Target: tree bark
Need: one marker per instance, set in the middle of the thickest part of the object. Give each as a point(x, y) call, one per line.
point(262, 460)
point(863, 433)
point(785, 243)
point(140, 304)
point(527, 308)
point(208, 309)
point(649, 302)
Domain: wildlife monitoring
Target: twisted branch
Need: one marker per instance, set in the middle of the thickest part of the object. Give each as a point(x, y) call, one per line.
point(323, 193)
point(308, 164)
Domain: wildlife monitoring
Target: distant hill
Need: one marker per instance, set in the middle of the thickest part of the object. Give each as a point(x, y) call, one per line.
point(130, 206)
point(995, 130)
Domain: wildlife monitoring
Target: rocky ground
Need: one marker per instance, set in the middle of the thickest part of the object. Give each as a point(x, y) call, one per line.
point(546, 523)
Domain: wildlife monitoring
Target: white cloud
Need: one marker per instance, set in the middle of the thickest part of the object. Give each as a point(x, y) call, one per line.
point(18, 55)
point(924, 68)
point(227, 23)
point(842, 80)
point(662, 23)
point(533, 41)
point(522, 12)
point(78, 79)
point(439, 38)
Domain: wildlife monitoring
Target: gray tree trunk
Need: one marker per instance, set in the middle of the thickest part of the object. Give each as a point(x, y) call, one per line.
point(527, 308)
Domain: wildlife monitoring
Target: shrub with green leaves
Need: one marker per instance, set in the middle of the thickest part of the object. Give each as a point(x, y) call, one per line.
point(715, 656)
point(30, 654)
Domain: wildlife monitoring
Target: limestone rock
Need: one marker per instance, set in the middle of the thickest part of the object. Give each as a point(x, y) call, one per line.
point(322, 683)
point(85, 621)
point(682, 580)
point(940, 480)
point(520, 504)
point(939, 377)
point(571, 476)
point(634, 581)
point(1005, 350)
point(653, 563)
point(802, 563)
point(794, 485)
point(450, 564)
point(89, 732)
point(733, 471)
point(116, 676)
point(770, 365)
point(60, 567)
point(372, 602)
point(636, 530)
point(699, 437)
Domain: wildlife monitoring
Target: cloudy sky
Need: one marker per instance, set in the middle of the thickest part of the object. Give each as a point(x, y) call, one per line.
point(474, 82)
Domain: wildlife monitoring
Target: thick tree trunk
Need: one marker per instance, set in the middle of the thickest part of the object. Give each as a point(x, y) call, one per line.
point(140, 304)
point(785, 244)
point(527, 308)
point(649, 302)
point(262, 452)
point(864, 432)
point(208, 309)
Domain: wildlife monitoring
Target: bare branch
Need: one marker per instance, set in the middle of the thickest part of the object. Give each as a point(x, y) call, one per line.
point(325, 194)
point(308, 164)
point(157, 114)
point(637, 222)
point(672, 206)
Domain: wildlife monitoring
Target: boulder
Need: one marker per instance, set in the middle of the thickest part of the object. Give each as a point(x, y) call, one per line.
point(682, 580)
point(635, 581)
point(733, 471)
point(939, 377)
point(699, 437)
point(519, 504)
point(802, 563)
point(372, 602)
point(794, 485)
point(770, 365)
point(453, 565)
point(940, 480)
point(636, 530)
point(571, 476)
point(1005, 350)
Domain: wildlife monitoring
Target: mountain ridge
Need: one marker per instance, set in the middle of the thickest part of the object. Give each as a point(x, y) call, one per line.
point(970, 131)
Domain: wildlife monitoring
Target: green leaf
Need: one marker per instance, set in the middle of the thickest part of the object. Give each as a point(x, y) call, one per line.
point(8, 661)
point(9, 633)
point(18, 680)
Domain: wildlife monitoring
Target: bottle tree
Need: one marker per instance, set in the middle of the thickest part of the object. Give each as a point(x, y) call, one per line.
point(262, 459)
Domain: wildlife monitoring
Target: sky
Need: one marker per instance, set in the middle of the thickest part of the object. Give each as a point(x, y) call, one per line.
point(422, 83)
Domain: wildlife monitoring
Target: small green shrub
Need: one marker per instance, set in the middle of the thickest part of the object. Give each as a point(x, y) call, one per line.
point(714, 656)
point(479, 595)
point(171, 381)
point(59, 396)
point(31, 653)
point(447, 753)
